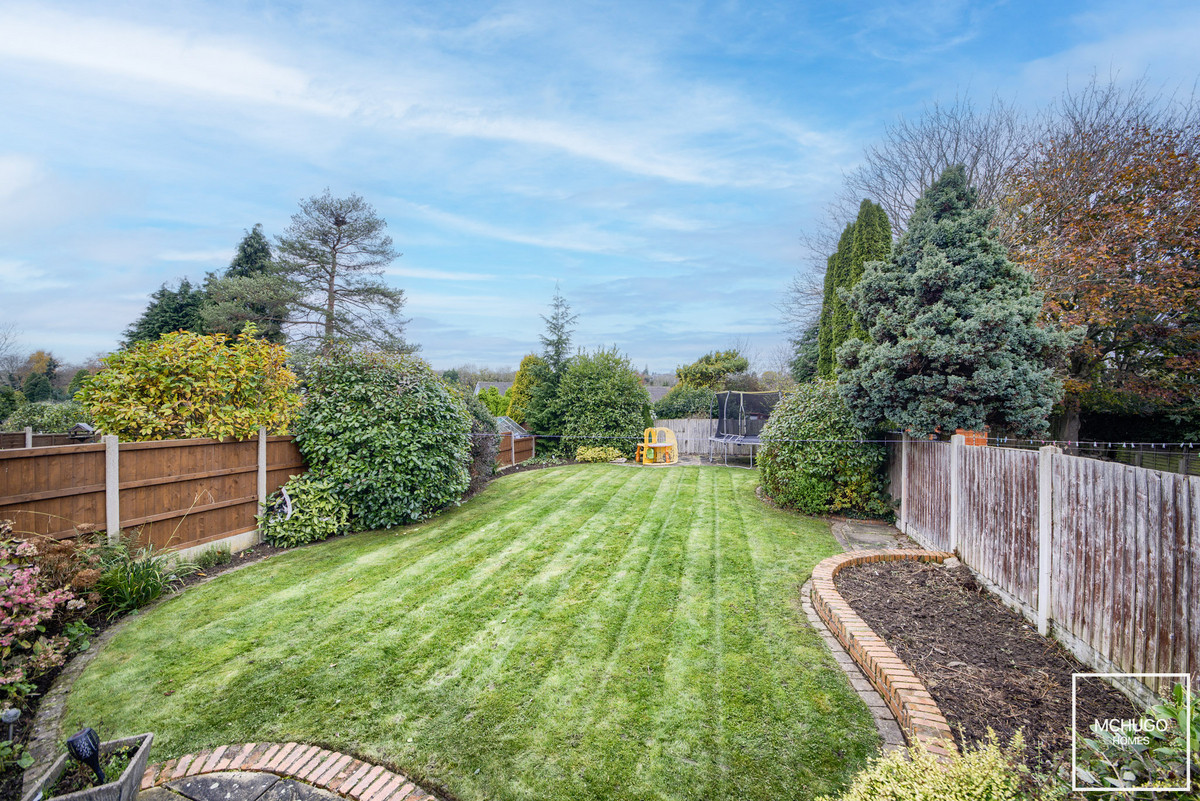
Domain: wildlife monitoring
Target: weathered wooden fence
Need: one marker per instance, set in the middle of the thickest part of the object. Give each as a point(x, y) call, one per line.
point(514, 450)
point(22, 439)
point(693, 433)
point(1103, 555)
point(180, 493)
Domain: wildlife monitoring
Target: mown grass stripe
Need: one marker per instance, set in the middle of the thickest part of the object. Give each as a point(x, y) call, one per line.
point(589, 632)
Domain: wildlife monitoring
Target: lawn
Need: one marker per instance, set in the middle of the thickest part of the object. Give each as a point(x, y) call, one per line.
point(581, 632)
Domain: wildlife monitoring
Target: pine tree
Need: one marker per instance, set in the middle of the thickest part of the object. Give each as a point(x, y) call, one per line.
point(334, 253)
point(169, 310)
point(954, 340)
point(556, 342)
point(252, 290)
point(834, 277)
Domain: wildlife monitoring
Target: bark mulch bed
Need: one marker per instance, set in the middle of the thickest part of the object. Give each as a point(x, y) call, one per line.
point(984, 665)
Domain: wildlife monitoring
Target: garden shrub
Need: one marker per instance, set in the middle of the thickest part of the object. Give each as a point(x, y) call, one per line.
point(47, 417)
point(39, 621)
point(493, 400)
point(985, 773)
point(684, 401)
point(317, 512)
point(485, 439)
point(185, 385)
point(601, 395)
point(520, 393)
point(389, 432)
point(811, 461)
point(10, 399)
point(596, 453)
point(1108, 760)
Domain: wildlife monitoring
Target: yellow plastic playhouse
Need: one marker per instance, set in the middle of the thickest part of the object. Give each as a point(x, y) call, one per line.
point(658, 446)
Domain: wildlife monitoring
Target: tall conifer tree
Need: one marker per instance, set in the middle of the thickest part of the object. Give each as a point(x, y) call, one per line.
point(954, 339)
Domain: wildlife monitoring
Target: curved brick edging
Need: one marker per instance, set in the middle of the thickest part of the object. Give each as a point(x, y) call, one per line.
point(324, 769)
point(915, 709)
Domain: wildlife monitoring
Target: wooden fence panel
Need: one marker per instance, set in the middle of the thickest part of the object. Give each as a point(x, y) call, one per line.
point(16, 439)
point(998, 524)
point(928, 492)
point(509, 452)
point(283, 461)
point(188, 492)
point(48, 491)
point(179, 493)
point(1125, 563)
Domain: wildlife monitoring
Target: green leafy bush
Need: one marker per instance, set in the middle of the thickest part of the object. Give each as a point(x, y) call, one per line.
point(131, 577)
point(389, 432)
point(10, 399)
point(185, 385)
point(1109, 760)
point(986, 773)
point(684, 401)
point(601, 395)
point(493, 400)
point(485, 437)
point(811, 461)
point(47, 417)
point(595, 453)
point(312, 511)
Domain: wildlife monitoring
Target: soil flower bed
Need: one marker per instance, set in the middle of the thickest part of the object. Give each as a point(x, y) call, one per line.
point(984, 664)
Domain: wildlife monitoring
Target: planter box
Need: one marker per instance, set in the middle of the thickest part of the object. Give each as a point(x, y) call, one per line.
point(122, 788)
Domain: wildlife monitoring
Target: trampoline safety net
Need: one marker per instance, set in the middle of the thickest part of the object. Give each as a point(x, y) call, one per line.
point(740, 418)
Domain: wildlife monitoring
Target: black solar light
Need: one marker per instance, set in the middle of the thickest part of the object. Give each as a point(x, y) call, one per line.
point(85, 747)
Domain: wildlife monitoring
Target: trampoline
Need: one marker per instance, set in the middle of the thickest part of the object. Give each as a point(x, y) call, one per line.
point(740, 420)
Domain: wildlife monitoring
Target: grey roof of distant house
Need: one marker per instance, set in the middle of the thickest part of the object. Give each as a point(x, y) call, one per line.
point(658, 393)
point(501, 386)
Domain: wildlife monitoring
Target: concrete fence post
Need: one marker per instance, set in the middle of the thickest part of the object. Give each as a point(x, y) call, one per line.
point(112, 487)
point(262, 469)
point(28, 436)
point(1045, 534)
point(957, 443)
point(904, 483)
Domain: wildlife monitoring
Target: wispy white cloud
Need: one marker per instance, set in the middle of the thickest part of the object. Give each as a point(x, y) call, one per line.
point(582, 238)
point(155, 55)
point(200, 256)
point(438, 275)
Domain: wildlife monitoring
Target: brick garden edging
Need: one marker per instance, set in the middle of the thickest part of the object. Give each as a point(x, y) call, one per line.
point(915, 709)
point(327, 770)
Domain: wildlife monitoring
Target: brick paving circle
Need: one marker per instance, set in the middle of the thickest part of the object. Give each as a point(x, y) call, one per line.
point(323, 769)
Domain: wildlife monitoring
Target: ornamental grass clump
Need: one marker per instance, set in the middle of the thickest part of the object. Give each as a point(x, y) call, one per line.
point(389, 433)
point(814, 458)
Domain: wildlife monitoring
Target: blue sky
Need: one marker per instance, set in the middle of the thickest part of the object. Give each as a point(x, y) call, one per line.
point(659, 161)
